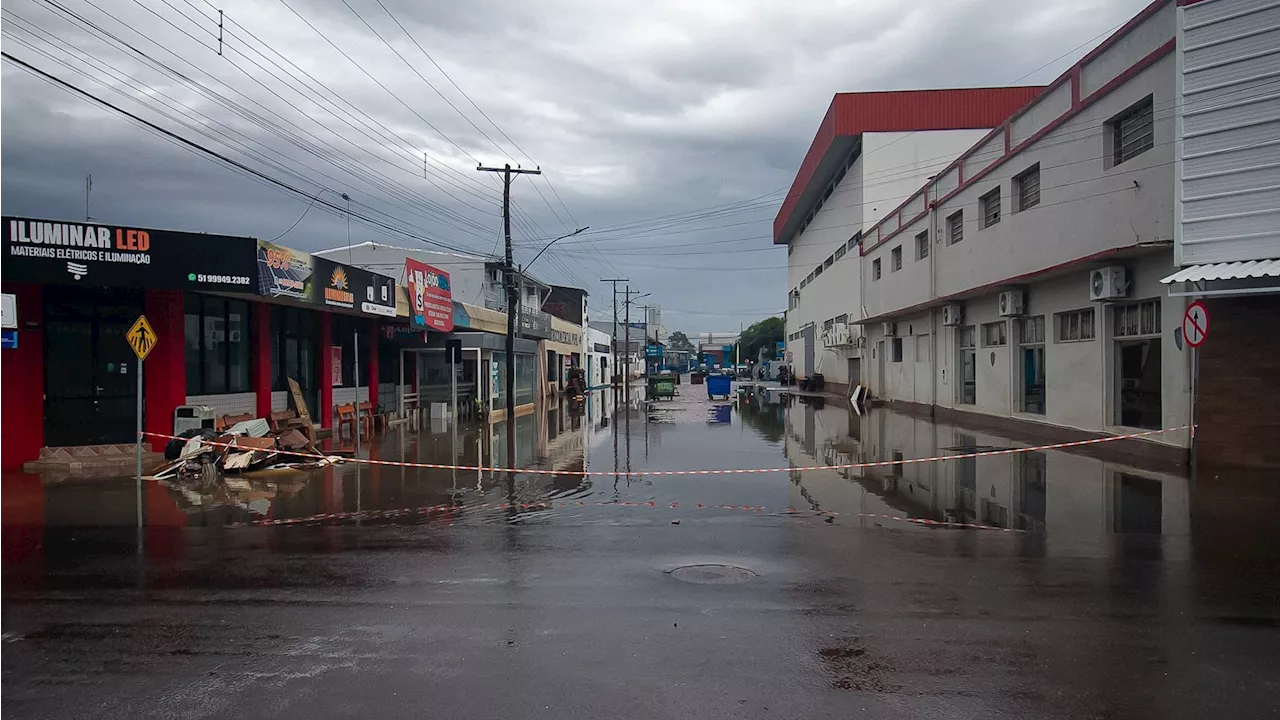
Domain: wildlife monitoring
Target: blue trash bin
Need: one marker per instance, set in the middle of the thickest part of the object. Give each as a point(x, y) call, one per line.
point(718, 385)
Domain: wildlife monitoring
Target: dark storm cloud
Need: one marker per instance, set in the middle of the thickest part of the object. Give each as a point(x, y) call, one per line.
point(633, 110)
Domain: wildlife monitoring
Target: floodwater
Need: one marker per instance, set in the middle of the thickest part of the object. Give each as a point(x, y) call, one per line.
point(1093, 588)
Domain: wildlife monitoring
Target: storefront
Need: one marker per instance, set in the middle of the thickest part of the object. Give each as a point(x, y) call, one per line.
point(234, 319)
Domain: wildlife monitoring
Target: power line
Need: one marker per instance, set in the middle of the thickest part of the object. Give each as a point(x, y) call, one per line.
point(213, 154)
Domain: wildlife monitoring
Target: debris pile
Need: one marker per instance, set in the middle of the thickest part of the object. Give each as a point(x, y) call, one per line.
point(247, 444)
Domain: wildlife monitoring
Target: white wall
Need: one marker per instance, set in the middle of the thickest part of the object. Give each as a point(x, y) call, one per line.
point(1086, 208)
point(227, 403)
point(466, 274)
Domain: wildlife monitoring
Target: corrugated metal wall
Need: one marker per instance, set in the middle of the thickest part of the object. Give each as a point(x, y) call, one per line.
point(1228, 116)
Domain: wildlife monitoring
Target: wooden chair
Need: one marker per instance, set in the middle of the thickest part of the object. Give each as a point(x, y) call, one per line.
point(366, 418)
point(346, 416)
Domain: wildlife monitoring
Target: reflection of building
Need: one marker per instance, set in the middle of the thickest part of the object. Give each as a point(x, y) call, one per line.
point(1057, 492)
point(1227, 224)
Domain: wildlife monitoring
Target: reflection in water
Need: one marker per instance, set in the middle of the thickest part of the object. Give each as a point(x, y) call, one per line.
point(1055, 492)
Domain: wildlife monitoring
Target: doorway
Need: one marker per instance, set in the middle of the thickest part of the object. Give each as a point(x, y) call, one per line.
point(855, 372)
point(90, 374)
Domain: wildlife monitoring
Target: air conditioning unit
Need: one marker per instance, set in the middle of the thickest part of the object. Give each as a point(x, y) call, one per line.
point(192, 417)
point(860, 341)
point(952, 314)
point(1108, 283)
point(889, 329)
point(1011, 303)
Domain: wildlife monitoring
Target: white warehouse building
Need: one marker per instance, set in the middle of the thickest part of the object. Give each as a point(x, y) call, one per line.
point(871, 152)
point(1020, 285)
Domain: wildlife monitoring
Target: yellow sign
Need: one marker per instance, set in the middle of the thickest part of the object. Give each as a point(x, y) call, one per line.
point(141, 337)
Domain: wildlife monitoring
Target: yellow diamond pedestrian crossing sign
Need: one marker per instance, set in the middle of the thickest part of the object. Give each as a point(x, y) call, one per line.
point(141, 337)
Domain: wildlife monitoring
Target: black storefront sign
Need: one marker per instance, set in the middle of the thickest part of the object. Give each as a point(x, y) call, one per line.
point(101, 255)
point(285, 272)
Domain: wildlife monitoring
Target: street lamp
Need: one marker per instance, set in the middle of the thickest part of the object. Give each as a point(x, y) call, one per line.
point(553, 242)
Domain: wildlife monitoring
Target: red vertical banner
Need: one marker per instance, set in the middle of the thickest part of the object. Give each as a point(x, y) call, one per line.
point(335, 365)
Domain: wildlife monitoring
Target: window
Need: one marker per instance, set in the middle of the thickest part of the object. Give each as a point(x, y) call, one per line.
point(804, 283)
point(842, 319)
point(217, 339)
point(1132, 132)
point(896, 350)
point(1075, 325)
point(817, 271)
point(967, 388)
point(840, 251)
point(853, 241)
point(895, 259)
point(1026, 189)
point(1031, 340)
point(922, 245)
point(955, 227)
point(993, 334)
point(830, 259)
point(990, 205)
point(875, 269)
point(1137, 319)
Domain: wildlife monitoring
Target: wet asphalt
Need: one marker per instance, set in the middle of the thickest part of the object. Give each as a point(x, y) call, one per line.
point(1110, 591)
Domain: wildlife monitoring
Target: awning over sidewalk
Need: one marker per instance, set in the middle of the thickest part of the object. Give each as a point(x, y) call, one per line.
point(1248, 277)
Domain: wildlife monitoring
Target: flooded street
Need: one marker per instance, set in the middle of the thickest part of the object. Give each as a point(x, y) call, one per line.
point(1097, 588)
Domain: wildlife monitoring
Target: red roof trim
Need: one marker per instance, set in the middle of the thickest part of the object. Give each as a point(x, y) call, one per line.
point(851, 114)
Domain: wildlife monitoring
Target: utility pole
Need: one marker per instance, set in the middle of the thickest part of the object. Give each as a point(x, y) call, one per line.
point(508, 282)
point(626, 376)
point(613, 339)
point(626, 380)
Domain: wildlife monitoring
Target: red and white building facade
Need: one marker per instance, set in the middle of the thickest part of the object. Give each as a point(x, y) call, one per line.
point(1018, 282)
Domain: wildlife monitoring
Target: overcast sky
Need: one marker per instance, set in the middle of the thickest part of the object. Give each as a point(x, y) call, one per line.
point(635, 111)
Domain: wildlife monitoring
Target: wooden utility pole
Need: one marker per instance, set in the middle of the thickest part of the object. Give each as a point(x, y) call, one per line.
point(508, 282)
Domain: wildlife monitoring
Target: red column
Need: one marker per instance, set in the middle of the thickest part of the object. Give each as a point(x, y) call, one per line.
point(324, 375)
point(165, 370)
point(22, 381)
point(373, 362)
point(262, 357)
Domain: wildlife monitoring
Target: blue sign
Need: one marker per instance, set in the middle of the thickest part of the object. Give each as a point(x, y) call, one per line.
point(9, 340)
point(728, 350)
point(780, 351)
point(653, 351)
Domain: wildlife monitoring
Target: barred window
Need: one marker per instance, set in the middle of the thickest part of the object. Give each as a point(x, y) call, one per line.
point(994, 334)
point(965, 336)
point(840, 251)
point(990, 204)
point(1137, 319)
point(1133, 132)
point(1075, 325)
point(1026, 188)
point(955, 227)
point(896, 256)
point(875, 269)
point(922, 245)
point(1031, 330)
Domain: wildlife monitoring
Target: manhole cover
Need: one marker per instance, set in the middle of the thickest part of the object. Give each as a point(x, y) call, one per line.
point(712, 574)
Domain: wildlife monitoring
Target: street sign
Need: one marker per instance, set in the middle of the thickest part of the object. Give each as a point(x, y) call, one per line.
point(789, 356)
point(653, 351)
point(1195, 324)
point(141, 337)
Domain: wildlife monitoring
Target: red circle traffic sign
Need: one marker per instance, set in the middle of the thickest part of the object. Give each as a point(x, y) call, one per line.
point(1195, 324)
